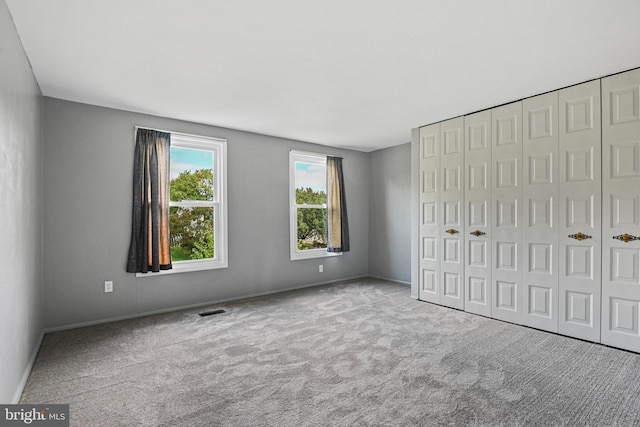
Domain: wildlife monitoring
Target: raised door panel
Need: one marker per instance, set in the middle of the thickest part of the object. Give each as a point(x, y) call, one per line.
point(540, 211)
point(452, 286)
point(477, 256)
point(620, 210)
point(430, 214)
point(452, 225)
point(579, 308)
point(506, 230)
point(579, 164)
point(429, 181)
point(477, 213)
point(478, 292)
point(507, 213)
point(580, 239)
point(451, 215)
point(539, 302)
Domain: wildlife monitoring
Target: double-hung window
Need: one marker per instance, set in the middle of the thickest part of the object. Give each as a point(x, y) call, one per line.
point(308, 205)
point(197, 207)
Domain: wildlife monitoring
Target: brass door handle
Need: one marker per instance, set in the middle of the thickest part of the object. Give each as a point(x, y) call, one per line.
point(580, 236)
point(478, 233)
point(626, 237)
point(452, 231)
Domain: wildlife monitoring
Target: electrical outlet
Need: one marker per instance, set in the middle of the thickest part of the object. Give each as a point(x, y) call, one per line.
point(108, 286)
point(320, 268)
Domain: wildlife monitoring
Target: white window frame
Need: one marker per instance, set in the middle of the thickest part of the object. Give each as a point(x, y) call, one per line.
point(295, 254)
point(219, 203)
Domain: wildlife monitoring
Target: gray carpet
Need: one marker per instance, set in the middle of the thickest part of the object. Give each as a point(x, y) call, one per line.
point(354, 353)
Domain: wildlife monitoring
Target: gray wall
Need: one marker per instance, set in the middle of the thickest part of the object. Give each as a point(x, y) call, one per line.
point(20, 212)
point(87, 201)
point(389, 214)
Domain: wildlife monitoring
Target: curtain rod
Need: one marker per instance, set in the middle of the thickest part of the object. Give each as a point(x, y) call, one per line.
point(178, 133)
point(311, 153)
point(292, 150)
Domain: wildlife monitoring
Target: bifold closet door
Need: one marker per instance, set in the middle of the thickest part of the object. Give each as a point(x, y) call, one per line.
point(580, 224)
point(540, 211)
point(506, 230)
point(477, 198)
point(452, 228)
point(621, 210)
point(442, 213)
point(429, 289)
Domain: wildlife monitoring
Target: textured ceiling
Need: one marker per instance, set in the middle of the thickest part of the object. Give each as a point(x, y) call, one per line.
point(352, 73)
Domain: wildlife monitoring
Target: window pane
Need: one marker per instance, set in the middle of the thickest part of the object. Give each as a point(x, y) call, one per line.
point(311, 183)
point(312, 228)
point(191, 233)
point(191, 174)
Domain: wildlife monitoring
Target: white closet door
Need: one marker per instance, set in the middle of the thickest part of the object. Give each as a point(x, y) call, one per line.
point(429, 289)
point(506, 196)
point(580, 239)
point(621, 210)
point(540, 211)
point(478, 213)
point(452, 209)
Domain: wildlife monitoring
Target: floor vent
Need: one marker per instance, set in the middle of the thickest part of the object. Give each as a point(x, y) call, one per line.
point(211, 312)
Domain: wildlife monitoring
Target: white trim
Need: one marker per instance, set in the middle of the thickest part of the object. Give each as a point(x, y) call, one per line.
point(223, 230)
point(304, 205)
point(191, 306)
point(312, 253)
point(415, 213)
point(25, 375)
point(195, 204)
point(187, 266)
point(402, 282)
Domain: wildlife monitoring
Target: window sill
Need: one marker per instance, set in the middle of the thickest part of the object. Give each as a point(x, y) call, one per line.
point(187, 266)
point(310, 254)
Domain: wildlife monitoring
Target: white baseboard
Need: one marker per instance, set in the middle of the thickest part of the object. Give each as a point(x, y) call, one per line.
point(390, 280)
point(190, 306)
point(27, 371)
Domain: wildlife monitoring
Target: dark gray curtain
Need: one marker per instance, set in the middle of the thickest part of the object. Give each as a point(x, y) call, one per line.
point(337, 223)
point(150, 248)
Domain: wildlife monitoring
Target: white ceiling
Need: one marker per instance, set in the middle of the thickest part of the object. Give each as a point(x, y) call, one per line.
point(356, 74)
